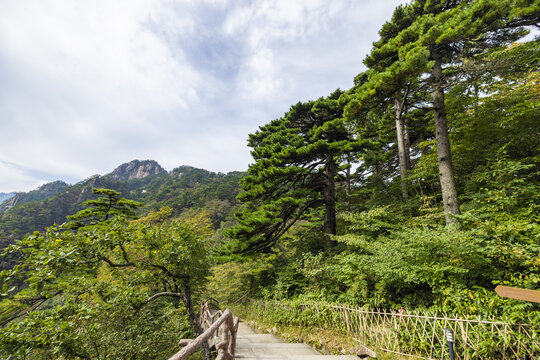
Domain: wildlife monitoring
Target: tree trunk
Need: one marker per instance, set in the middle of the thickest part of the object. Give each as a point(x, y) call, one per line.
point(348, 184)
point(444, 155)
point(194, 321)
point(407, 146)
point(403, 144)
point(330, 227)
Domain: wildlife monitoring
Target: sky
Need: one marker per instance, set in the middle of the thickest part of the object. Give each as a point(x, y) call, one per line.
point(88, 85)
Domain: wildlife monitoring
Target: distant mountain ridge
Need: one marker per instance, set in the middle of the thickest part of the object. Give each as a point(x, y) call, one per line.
point(43, 192)
point(135, 169)
point(183, 189)
point(6, 196)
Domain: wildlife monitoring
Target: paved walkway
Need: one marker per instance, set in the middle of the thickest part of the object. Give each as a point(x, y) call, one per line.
point(250, 345)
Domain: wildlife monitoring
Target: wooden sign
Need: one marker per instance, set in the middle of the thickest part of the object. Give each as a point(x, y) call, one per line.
point(519, 294)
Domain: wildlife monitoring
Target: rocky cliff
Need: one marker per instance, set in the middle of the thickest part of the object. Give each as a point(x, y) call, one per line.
point(135, 169)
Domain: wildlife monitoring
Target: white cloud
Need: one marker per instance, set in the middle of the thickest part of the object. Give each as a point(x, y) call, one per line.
point(90, 74)
point(16, 179)
point(87, 85)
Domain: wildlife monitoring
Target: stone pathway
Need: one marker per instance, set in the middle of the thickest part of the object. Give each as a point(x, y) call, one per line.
point(250, 345)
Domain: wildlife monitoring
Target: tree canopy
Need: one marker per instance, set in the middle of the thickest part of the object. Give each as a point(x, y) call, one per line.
point(297, 161)
point(108, 291)
point(102, 209)
point(419, 187)
point(443, 125)
point(423, 37)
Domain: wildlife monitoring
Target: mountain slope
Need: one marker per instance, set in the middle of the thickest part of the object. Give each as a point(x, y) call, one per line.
point(184, 188)
point(6, 196)
point(43, 192)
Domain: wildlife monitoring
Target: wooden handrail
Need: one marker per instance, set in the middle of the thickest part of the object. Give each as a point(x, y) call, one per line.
point(229, 326)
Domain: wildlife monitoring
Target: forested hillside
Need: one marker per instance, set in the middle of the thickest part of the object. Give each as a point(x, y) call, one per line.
point(418, 187)
point(184, 188)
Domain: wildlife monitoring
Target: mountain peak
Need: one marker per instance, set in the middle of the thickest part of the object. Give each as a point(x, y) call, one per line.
point(43, 192)
point(136, 169)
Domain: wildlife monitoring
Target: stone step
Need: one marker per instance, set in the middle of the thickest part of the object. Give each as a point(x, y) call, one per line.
point(300, 357)
point(252, 346)
point(259, 338)
point(273, 349)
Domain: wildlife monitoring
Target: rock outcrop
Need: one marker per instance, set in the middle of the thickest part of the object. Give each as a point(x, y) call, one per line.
point(135, 169)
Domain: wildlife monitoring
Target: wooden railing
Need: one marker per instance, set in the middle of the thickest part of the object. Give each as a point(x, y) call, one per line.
point(216, 324)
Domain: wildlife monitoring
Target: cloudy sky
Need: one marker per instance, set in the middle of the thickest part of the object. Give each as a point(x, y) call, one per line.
point(88, 85)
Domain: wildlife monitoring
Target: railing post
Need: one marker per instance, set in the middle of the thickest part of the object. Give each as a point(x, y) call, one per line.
point(346, 311)
point(226, 347)
point(223, 346)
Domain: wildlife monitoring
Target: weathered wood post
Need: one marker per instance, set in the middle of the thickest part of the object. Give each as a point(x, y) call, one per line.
point(227, 323)
point(346, 310)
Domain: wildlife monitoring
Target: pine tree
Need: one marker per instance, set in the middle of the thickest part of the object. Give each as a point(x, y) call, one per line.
point(102, 209)
point(426, 36)
point(297, 159)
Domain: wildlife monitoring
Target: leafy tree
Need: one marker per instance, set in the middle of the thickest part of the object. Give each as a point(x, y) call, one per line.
point(297, 160)
point(398, 90)
point(390, 257)
point(101, 291)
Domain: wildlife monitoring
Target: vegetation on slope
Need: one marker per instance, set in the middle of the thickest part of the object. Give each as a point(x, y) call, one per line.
point(444, 202)
point(431, 163)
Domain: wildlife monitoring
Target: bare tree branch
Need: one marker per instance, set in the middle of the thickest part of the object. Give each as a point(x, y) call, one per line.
point(112, 264)
point(162, 294)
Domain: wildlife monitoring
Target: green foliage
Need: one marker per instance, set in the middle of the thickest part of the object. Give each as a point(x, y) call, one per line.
point(154, 217)
point(43, 192)
point(102, 209)
point(417, 333)
point(365, 227)
point(297, 159)
point(27, 217)
point(182, 189)
point(238, 280)
point(392, 254)
point(88, 292)
point(109, 291)
point(186, 188)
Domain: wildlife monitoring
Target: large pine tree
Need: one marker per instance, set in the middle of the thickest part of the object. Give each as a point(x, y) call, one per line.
point(425, 37)
point(297, 159)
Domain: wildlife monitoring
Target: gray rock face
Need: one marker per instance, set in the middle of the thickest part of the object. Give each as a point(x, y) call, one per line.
point(9, 203)
point(135, 169)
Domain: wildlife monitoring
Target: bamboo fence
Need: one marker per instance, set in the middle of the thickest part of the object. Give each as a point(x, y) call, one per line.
point(413, 335)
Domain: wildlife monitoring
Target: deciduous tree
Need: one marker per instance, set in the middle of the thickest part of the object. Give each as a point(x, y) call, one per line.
point(80, 282)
